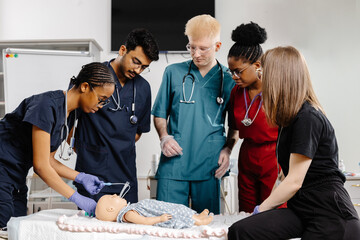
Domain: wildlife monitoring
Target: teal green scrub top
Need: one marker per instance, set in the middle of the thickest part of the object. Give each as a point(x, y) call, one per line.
point(197, 127)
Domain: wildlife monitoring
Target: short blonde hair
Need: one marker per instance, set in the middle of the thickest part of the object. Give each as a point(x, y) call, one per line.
point(286, 85)
point(203, 26)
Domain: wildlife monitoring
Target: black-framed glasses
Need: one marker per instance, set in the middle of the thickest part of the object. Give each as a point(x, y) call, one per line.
point(137, 64)
point(237, 73)
point(101, 102)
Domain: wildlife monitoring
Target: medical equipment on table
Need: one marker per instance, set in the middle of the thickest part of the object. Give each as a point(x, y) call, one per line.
point(66, 128)
point(133, 117)
point(247, 121)
point(219, 99)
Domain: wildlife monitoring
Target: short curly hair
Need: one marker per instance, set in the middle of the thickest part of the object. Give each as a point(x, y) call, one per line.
point(142, 37)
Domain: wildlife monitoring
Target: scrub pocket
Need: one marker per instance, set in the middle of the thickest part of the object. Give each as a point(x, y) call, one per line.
point(212, 110)
point(215, 144)
point(91, 158)
point(344, 204)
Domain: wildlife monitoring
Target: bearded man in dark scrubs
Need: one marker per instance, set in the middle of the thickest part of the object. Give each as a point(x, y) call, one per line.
point(105, 143)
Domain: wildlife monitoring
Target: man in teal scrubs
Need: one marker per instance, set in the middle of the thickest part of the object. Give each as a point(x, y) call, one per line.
point(190, 121)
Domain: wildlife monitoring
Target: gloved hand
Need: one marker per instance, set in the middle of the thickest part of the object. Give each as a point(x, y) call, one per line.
point(91, 183)
point(169, 146)
point(85, 203)
point(224, 162)
point(256, 210)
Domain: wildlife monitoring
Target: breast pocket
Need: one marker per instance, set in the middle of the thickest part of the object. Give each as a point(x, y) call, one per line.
point(213, 110)
point(91, 158)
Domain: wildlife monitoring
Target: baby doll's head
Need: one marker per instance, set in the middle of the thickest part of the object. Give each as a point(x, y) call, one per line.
point(108, 207)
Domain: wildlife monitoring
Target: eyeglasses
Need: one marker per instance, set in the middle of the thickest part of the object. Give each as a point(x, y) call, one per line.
point(236, 72)
point(137, 64)
point(101, 101)
point(202, 50)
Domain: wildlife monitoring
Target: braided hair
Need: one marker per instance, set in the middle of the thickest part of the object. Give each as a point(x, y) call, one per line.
point(247, 38)
point(95, 74)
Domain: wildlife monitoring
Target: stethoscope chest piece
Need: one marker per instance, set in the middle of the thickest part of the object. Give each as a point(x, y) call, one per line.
point(219, 100)
point(247, 122)
point(133, 119)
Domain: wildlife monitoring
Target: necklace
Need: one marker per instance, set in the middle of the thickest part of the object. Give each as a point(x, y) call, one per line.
point(248, 121)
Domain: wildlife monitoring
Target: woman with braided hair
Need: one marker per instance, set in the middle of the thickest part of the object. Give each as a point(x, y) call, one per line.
point(257, 159)
point(31, 134)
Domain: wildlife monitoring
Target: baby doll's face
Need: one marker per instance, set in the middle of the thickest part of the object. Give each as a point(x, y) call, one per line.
point(108, 207)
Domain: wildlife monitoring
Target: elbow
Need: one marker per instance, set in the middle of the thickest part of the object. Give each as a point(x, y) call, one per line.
point(296, 185)
point(38, 169)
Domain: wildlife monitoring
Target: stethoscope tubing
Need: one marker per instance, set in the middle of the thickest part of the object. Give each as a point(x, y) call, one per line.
point(219, 99)
point(133, 117)
point(66, 128)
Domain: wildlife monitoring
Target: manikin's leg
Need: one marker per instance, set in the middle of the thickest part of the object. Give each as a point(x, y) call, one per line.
point(203, 218)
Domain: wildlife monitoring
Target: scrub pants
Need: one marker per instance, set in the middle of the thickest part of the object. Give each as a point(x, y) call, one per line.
point(13, 202)
point(257, 173)
point(203, 194)
point(322, 211)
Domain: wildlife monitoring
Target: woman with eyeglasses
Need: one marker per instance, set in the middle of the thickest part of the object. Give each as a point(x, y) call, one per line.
point(31, 134)
point(257, 158)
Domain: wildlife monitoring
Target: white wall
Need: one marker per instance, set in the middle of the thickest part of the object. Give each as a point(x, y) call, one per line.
point(325, 31)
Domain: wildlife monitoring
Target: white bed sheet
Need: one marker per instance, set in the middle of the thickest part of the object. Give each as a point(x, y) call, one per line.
point(43, 226)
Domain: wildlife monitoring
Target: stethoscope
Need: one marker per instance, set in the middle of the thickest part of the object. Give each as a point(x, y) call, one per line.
point(65, 127)
point(248, 121)
point(133, 117)
point(219, 99)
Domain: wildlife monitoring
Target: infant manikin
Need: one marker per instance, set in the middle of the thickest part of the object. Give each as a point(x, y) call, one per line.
point(149, 212)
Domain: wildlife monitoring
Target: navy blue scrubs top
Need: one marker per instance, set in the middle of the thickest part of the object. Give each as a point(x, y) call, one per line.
point(105, 141)
point(47, 112)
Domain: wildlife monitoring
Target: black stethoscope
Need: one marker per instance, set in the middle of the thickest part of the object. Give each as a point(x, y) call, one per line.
point(219, 99)
point(65, 127)
point(133, 117)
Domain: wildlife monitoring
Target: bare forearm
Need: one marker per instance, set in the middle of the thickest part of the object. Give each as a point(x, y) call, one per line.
point(232, 138)
point(298, 167)
point(53, 180)
point(161, 126)
point(286, 190)
point(61, 169)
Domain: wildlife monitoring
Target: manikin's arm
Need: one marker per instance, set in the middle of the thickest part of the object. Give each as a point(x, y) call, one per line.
point(299, 165)
point(134, 217)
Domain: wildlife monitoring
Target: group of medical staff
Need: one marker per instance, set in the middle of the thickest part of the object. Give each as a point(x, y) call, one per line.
point(107, 107)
